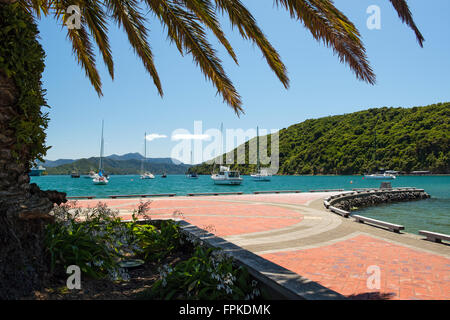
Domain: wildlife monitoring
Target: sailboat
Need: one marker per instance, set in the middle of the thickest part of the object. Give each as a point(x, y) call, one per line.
point(225, 175)
point(261, 174)
point(146, 174)
point(100, 178)
point(192, 175)
point(382, 174)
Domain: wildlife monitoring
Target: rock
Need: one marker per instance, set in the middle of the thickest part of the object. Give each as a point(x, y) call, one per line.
point(366, 200)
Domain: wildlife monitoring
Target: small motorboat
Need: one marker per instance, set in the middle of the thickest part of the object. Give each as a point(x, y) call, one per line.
point(36, 171)
point(380, 176)
point(192, 175)
point(75, 174)
point(164, 175)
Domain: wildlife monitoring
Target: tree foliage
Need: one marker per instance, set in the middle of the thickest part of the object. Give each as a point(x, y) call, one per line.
point(403, 139)
point(22, 59)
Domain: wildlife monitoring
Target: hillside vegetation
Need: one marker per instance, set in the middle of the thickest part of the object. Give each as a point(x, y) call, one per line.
point(111, 166)
point(403, 139)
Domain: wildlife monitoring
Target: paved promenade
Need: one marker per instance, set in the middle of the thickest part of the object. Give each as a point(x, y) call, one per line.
point(296, 232)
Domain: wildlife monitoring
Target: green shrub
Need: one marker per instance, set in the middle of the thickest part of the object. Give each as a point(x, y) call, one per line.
point(94, 239)
point(157, 244)
point(207, 275)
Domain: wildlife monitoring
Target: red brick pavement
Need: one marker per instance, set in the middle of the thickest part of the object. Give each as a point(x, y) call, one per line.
point(405, 273)
point(220, 218)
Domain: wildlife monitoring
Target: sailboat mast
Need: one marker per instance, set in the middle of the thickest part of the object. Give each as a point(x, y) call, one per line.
point(101, 149)
point(145, 153)
point(257, 149)
point(223, 145)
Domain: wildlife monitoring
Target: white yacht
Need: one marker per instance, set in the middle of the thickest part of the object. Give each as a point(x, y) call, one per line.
point(100, 178)
point(261, 174)
point(227, 176)
point(380, 176)
point(145, 175)
point(383, 175)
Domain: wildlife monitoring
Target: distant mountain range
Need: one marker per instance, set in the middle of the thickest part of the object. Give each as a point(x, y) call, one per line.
point(129, 163)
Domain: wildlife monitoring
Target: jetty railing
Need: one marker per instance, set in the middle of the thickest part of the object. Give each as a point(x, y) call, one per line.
point(327, 190)
point(277, 191)
point(80, 197)
point(142, 195)
point(213, 193)
point(434, 236)
point(391, 226)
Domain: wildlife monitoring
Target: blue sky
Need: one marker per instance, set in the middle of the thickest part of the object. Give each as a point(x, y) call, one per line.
point(320, 85)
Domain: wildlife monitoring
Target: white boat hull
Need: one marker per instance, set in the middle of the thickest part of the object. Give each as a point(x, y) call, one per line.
point(380, 177)
point(228, 181)
point(99, 181)
point(257, 177)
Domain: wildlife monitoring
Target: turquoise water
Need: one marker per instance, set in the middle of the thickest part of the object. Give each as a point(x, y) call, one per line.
point(431, 214)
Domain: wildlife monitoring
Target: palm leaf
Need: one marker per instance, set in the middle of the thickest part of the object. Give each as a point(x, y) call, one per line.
point(241, 18)
point(326, 23)
point(187, 33)
point(82, 49)
point(95, 20)
point(204, 11)
point(405, 15)
point(126, 14)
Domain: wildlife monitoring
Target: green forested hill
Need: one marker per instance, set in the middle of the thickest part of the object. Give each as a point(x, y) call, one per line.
point(403, 139)
point(112, 166)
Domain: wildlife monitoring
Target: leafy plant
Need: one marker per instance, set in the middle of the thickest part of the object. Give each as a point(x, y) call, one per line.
point(94, 239)
point(157, 244)
point(207, 275)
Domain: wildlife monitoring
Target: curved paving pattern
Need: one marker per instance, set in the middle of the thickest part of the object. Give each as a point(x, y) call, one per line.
point(295, 232)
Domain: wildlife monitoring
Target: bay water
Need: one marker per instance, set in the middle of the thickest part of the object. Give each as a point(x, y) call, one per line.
point(431, 214)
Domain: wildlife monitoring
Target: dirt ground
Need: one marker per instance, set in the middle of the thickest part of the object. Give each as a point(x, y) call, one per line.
point(141, 278)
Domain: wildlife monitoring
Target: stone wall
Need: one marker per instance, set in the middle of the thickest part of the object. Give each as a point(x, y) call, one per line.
point(359, 200)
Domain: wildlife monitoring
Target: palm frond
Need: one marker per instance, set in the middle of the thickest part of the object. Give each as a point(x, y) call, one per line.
point(185, 30)
point(406, 16)
point(205, 12)
point(241, 18)
point(95, 20)
point(126, 14)
point(82, 49)
point(326, 23)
